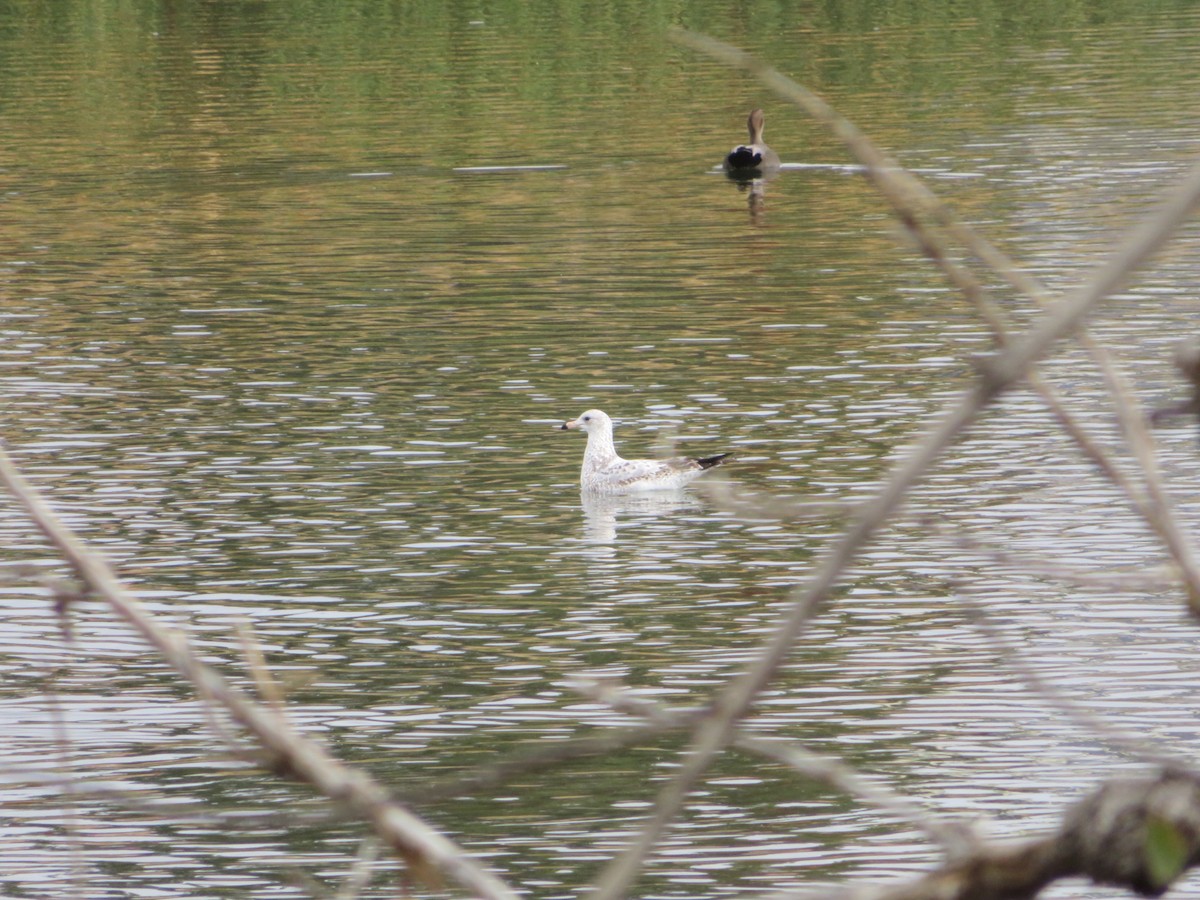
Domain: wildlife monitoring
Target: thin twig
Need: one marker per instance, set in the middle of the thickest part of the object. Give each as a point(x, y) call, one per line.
point(1040, 567)
point(543, 757)
point(764, 507)
point(364, 867)
point(1084, 718)
point(953, 837)
point(62, 744)
point(1159, 511)
point(256, 663)
point(140, 799)
point(832, 772)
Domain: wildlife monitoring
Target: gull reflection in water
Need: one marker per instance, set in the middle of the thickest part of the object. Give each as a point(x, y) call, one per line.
point(604, 514)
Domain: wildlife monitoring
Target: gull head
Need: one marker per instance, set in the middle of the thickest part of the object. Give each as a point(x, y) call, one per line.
point(592, 420)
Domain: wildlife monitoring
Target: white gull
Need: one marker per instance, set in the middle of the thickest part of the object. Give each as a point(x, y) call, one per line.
point(604, 472)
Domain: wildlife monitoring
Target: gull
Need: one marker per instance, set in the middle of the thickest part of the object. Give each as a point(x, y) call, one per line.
point(604, 472)
point(753, 160)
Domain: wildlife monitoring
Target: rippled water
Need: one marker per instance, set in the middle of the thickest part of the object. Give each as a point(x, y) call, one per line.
point(282, 340)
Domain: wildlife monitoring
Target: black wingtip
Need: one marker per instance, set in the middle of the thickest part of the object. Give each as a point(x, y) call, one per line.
point(708, 462)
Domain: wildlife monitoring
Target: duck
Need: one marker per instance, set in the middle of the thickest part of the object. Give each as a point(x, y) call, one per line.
point(605, 472)
point(755, 159)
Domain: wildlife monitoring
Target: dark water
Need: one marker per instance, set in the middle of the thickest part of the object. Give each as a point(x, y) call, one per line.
point(293, 296)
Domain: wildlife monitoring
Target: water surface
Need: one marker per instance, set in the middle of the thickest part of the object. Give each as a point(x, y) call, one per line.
point(294, 298)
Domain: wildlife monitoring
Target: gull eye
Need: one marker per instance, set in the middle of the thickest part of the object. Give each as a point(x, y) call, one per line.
point(587, 418)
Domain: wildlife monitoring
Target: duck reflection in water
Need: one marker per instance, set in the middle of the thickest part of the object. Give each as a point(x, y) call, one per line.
point(753, 164)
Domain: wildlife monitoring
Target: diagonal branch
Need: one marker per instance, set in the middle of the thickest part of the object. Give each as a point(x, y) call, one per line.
point(428, 853)
point(997, 374)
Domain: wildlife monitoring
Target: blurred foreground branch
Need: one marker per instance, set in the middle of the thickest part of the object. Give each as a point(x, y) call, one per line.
point(1139, 833)
point(1012, 363)
point(429, 855)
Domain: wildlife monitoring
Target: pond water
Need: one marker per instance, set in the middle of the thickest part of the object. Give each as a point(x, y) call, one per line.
point(295, 297)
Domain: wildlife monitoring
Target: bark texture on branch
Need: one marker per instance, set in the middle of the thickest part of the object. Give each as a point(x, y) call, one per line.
point(1140, 834)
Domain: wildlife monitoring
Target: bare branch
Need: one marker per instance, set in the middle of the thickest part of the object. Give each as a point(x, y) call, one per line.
point(1157, 578)
point(1141, 834)
point(543, 757)
point(1084, 718)
point(952, 837)
point(360, 876)
point(256, 663)
point(427, 852)
point(62, 742)
point(1158, 510)
point(828, 771)
point(760, 506)
point(997, 374)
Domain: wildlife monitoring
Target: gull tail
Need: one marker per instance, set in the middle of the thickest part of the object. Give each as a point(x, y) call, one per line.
point(708, 462)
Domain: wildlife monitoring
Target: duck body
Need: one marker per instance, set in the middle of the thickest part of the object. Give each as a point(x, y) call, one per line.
point(755, 159)
point(605, 472)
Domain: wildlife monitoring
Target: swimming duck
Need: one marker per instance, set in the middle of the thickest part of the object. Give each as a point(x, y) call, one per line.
point(753, 160)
